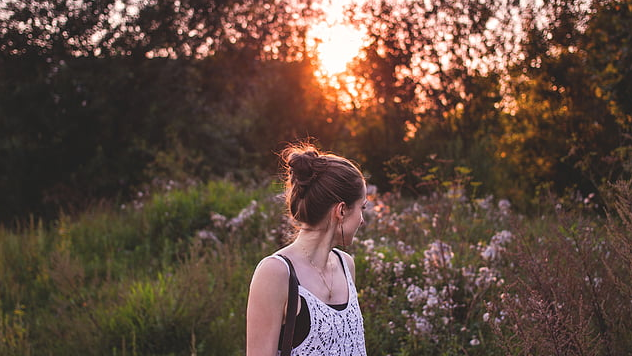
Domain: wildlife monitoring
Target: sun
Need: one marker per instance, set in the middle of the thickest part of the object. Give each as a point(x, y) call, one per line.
point(334, 46)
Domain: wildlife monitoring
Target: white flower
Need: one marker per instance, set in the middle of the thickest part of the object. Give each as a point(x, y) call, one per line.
point(502, 237)
point(504, 205)
point(490, 252)
point(438, 255)
point(486, 277)
point(414, 294)
point(398, 268)
point(475, 342)
point(208, 235)
point(218, 219)
point(421, 324)
point(493, 250)
point(243, 215)
point(431, 294)
point(485, 204)
point(486, 317)
point(369, 244)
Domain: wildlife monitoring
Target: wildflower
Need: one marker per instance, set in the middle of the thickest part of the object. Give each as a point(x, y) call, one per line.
point(435, 220)
point(486, 277)
point(475, 342)
point(399, 268)
point(208, 235)
point(468, 272)
point(243, 215)
point(405, 249)
point(420, 325)
point(457, 194)
point(414, 294)
point(502, 237)
point(138, 205)
point(438, 255)
point(485, 204)
point(391, 327)
point(490, 253)
point(493, 250)
point(369, 244)
point(218, 220)
point(486, 317)
point(377, 265)
point(504, 205)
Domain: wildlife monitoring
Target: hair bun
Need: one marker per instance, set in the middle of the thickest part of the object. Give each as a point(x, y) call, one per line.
point(305, 168)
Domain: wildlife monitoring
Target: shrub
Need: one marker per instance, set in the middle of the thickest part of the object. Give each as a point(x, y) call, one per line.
point(566, 295)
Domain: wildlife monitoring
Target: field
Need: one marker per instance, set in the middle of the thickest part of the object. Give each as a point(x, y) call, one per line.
point(448, 273)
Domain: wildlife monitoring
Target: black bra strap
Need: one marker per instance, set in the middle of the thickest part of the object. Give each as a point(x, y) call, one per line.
point(290, 315)
point(341, 262)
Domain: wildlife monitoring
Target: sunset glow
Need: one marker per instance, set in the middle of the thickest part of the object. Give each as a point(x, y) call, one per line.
point(335, 46)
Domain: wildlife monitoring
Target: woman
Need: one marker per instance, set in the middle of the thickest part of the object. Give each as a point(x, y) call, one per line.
point(325, 195)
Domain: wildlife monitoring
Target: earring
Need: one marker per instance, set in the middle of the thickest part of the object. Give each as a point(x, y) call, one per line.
point(342, 232)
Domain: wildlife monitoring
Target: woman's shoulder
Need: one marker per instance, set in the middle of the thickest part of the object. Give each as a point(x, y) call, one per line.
point(272, 265)
point(270, 276)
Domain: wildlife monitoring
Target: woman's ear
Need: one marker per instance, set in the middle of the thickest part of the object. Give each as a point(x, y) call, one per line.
point(339, 211)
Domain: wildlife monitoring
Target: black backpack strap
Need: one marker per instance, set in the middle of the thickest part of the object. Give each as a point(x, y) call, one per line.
point(290, 315)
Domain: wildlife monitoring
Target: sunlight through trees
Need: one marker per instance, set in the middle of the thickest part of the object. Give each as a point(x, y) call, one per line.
point(530, 92)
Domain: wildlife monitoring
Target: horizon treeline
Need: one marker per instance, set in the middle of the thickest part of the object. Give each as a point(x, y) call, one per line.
point(98, 99)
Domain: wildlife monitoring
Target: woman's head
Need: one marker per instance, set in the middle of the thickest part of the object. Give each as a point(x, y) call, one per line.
point(316, 182)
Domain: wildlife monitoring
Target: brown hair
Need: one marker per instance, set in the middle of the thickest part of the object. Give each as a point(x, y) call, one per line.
point(315, 182)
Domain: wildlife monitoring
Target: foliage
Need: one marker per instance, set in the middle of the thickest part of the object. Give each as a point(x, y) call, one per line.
point(197, 89)
point(557, 130)
point(119, 280)
point(608, 43)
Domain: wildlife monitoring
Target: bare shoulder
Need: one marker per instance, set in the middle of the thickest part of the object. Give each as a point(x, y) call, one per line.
point(264, 299)
point(271, 270)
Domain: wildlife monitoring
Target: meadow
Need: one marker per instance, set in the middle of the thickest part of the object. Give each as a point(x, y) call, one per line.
point(446, 273)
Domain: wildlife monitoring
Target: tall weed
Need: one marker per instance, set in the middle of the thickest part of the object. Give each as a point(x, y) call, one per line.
point(563, 297)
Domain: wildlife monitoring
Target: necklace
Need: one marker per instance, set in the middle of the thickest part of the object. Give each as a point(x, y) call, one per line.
point(322, 275)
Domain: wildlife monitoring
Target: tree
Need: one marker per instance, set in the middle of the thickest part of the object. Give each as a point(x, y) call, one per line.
point(556, 129)
point(608, 45)
point(430, 68)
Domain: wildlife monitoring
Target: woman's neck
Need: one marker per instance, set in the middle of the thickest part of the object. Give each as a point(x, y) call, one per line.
point(315, 245)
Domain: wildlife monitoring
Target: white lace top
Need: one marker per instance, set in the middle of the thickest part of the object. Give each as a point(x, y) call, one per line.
point(332, 332)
